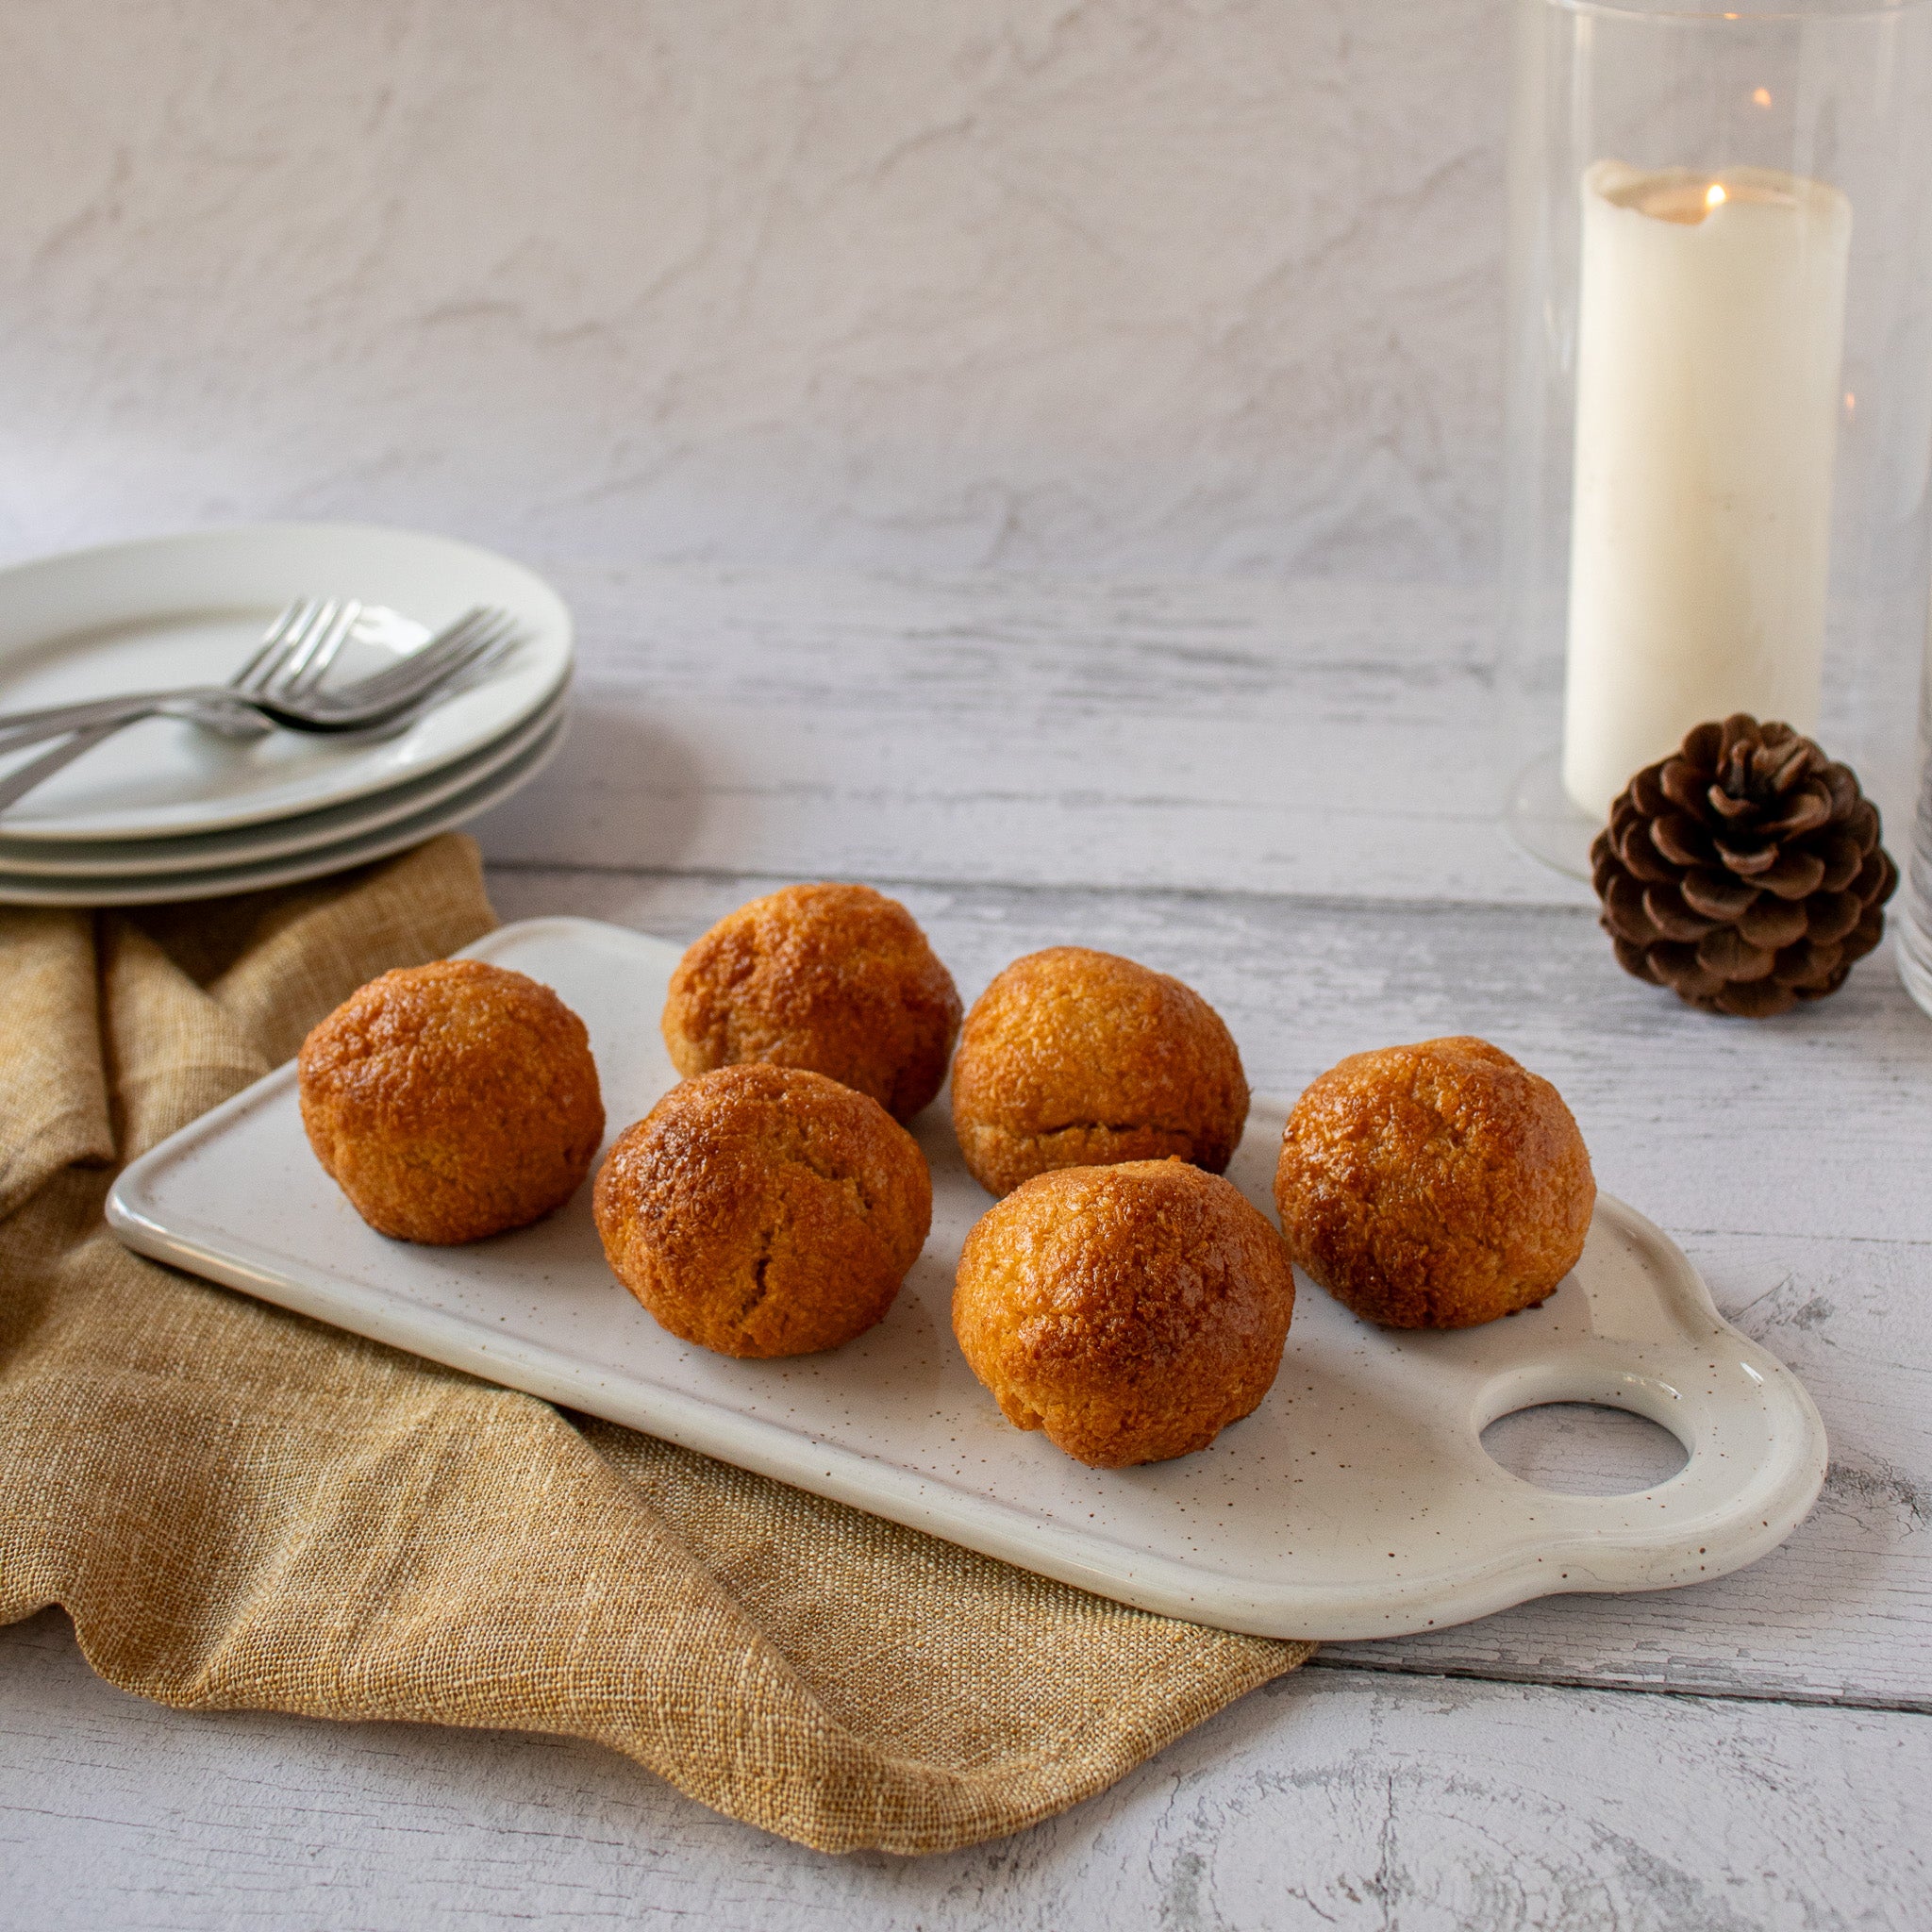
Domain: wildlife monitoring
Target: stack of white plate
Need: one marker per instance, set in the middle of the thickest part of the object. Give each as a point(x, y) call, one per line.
point(167, 809)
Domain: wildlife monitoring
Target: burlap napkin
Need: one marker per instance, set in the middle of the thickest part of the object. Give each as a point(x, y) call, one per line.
point(239, 1507)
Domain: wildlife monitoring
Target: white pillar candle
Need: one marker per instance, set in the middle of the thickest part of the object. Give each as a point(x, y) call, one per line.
point(1711, 334)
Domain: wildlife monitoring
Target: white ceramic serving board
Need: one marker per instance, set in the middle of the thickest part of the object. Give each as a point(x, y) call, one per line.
point(1356, 1501)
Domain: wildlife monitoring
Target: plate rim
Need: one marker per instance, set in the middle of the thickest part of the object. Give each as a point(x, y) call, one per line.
point(363, 816)
point(558, 619)
point(166, 889)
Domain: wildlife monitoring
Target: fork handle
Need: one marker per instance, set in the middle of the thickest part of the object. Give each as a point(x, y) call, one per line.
point(35, 727)
point(16, 786)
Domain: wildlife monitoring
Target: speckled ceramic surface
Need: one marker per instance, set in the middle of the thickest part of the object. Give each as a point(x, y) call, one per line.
point(1356, 1501)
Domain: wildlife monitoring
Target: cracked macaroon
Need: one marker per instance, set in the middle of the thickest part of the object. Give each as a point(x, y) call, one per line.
point(760, 1211)
point(1132, 1312)
point(452, 1101)
point(1434, 1186)
point(836, 979)
point(1077, 1059)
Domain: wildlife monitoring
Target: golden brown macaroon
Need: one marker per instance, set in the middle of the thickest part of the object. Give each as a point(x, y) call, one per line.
point(1131, 1311)
point(452, 1101)
point(1077, 1059)
point(834, 978)
point(1434, 1186)
point(762, 1210)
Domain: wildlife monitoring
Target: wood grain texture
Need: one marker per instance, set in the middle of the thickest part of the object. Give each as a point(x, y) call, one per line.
point(1338, 1799)
point(1287, 796)
point(1773, 1152)
point(1244, 737)
point(1313, 737)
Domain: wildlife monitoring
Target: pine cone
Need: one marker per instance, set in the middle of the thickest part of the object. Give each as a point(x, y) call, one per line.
point(1744, 872)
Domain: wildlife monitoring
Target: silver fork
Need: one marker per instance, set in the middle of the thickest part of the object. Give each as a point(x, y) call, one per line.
point(295, 651)
point(304, 633)
point(482, 634)
point(304, 639)
point(317, 633)
point(280, 684)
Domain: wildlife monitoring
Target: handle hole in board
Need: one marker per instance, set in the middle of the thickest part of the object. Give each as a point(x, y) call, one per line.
point(1583, 1449)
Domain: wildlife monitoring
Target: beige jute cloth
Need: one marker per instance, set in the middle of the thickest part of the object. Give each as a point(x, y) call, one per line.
point(239, 1507)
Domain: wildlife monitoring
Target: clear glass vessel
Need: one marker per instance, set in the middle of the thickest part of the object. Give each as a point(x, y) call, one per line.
point(1720, 392)
point(1911, 913)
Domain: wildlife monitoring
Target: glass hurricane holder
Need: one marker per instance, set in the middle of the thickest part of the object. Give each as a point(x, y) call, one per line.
point(1720, 392)
point(1912, 909)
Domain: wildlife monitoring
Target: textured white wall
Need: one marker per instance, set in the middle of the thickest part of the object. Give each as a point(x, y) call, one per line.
point(1073, 285)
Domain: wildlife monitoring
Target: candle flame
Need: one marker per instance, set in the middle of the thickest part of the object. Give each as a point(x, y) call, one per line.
point(1716, 197)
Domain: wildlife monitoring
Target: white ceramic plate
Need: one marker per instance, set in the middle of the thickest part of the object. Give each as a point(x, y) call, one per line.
point(1356, 1501)
point(176, 611)
point(70, 859)
point(149, 889)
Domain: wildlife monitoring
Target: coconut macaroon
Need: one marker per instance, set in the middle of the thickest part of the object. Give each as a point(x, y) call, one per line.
point(837, 979)
point(761, 1210)
point(1434, 1186)
point(1077, 1059)
point(452, 1101)
point(1132, 1312)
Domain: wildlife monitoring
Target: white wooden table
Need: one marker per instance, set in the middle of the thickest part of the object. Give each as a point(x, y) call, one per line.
point(1285, 795)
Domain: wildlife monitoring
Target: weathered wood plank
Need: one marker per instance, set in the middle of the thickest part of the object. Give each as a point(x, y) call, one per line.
point(1287, 795)
point(1246, 736)
point(1772, 1151)
point(1343, 1799)
point(1843, 1611)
